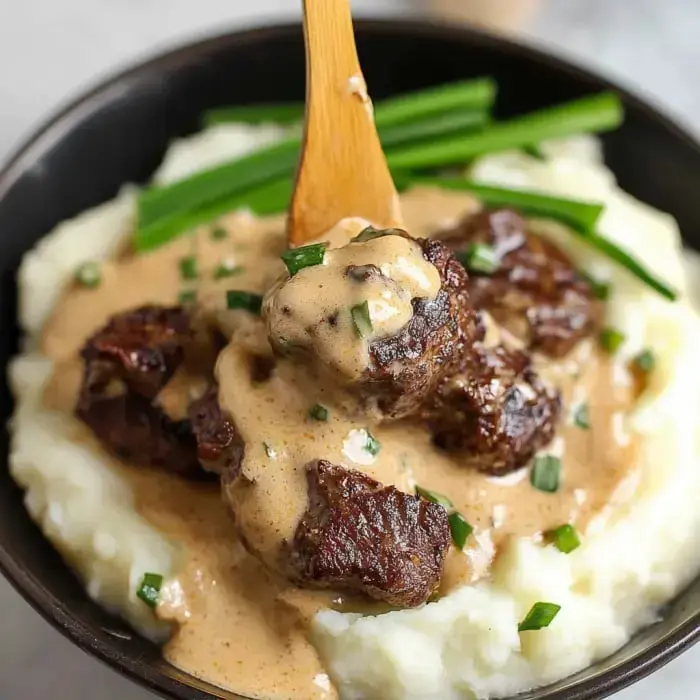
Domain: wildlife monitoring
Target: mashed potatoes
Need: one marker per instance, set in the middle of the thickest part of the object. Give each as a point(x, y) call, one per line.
point(466, 645)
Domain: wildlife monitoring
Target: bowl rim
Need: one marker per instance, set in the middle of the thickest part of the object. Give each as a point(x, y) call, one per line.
point(90, 99)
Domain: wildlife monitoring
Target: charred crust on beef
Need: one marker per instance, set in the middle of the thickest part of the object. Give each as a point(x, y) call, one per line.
point(496, 412)
point(360, 535)
point(406, 367)
point(219, 445)
point(536, 293)
point(127, 363)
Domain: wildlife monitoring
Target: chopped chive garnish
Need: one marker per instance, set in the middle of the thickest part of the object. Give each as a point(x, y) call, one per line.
point(187, 296)
point(149, 588)
point(434, 497)
point(89, 275)
point(372, 445)
point(319, 412)
point(540, 616)
point(307, 256)
point(582, 417)
point(565, 538)
point(370, 233)
point(270, 450)
point(362, 320)
point(188, 268)
point(611, 339)
point(645, 361)
point(601, 290)
point(248, 301)
point(218, 233)
point(460, 529)
point(545, 473)
point(479, 257)
point(226, 269)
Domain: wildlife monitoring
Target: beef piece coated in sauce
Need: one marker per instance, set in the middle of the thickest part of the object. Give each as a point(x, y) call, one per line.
point(405, 368)
point(360, 535)
point(535, 292)
point(219, 446)
point(496, 412)
point(127, 364)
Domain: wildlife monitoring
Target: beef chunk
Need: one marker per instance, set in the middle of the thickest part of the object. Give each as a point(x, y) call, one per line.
point(497, 411)
point(127, 364)
point(535, 292)
point(406, 367)
point(360, 535)
point(219, 445)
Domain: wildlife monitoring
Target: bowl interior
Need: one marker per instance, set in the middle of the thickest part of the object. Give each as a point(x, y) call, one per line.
point(119, 132)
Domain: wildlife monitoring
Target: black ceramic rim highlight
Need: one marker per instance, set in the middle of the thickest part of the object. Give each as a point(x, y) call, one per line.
point(52, 609)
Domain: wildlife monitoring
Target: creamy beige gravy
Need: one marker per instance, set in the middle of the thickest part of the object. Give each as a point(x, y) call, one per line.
point(239, 625)
point(303, 311)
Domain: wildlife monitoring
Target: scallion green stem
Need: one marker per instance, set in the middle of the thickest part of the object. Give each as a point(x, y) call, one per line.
point(457, 121)
point(579, 215)
point(477, 94)
point(595, 113)
point(216, 186)
point(210, 186)
point(631, 264)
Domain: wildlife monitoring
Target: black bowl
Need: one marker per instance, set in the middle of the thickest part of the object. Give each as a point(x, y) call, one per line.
point(119, 131)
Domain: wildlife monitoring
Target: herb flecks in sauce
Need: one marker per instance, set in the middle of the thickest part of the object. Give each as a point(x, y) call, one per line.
point(565, 538)
point(611, 340)
point(246, 301)
point(546, 473)
point(227, 268)
point(582, 417)
point(187, 296)
point(89, 275)
point(459, 527)
point(318, 412)
point(480, 258)
point(306, 256)
point(149, 588)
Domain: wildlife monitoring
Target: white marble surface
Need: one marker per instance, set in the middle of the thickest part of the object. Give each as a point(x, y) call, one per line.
point(51, 48)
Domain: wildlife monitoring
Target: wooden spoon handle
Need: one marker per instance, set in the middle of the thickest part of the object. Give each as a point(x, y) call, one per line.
point(342, 170)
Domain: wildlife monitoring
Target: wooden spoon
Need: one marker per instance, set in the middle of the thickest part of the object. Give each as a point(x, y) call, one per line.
point(342, 169)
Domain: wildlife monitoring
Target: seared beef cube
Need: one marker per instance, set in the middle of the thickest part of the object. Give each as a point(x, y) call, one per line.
point(534, 292)
point(496, 412)
point(422, 323)
point(405, 368)
point(360, 535)
point(141, 348)
point(127, 364)
point(136, 430)
point(219, 446)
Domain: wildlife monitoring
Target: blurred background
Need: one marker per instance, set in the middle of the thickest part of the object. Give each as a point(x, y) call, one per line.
point(49, 49)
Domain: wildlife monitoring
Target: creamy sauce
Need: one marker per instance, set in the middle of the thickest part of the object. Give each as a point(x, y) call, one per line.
point(314, 309)
point(239, 625)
